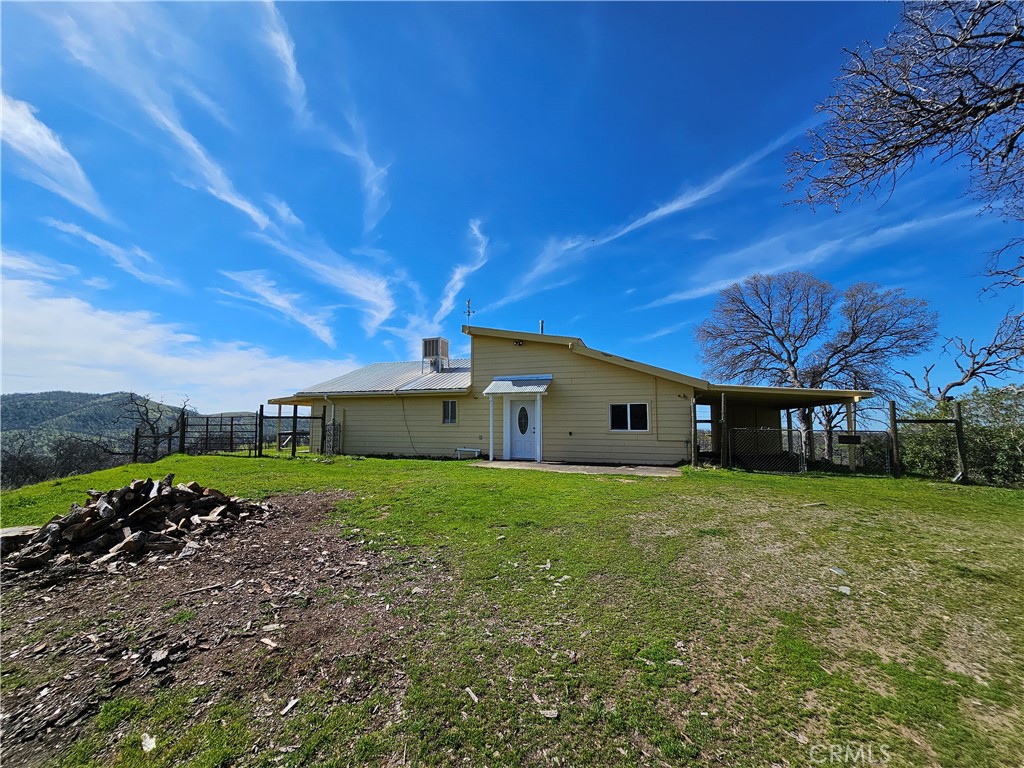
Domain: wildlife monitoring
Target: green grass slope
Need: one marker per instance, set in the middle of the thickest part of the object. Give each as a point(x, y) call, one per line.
point(685, 621)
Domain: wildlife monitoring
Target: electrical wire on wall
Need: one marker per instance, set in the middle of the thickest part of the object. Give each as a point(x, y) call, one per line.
point(407, 430)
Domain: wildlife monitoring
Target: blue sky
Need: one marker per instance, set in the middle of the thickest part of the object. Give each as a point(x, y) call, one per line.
point(231, 201)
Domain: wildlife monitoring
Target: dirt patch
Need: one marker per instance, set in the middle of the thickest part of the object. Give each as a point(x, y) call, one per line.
point(261, 615)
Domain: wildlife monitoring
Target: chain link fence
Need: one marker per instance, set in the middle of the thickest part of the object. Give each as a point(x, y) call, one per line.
point(786, 451)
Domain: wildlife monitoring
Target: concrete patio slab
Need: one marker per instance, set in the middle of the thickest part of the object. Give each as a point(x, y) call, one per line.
point(582, 469)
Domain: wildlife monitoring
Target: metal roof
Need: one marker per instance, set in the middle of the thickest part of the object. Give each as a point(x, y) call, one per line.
point(396, 377)
point(519, 385)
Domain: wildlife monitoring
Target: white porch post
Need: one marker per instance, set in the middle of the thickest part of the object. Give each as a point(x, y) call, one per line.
point(539, 437)
point(490, 453)
point(506, 430)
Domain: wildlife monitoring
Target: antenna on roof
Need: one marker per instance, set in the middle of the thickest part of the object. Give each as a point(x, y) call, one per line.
point(469, 310)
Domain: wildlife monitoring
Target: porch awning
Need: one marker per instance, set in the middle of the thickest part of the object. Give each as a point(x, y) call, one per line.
point(519, 385)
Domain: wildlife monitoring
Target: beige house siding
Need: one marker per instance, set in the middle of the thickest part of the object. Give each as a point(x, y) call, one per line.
point(576, 407)
point(406, 426)
point(575, 412)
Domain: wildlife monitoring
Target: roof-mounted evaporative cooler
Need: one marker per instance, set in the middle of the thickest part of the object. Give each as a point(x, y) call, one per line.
point(435, 354)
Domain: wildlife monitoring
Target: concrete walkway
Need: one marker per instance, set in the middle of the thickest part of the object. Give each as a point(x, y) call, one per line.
point(581, 469)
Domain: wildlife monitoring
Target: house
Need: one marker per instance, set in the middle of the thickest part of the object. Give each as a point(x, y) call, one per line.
point(535, 396)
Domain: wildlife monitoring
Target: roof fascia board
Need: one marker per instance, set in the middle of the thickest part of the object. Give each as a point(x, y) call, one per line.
point(473, 330)
point(742, 389)
point(399, 392)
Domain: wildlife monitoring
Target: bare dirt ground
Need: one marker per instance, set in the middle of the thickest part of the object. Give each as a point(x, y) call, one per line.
point(262, 615)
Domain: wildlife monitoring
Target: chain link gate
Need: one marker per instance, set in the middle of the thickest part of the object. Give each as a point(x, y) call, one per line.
point(332, 438)
point(786, 451)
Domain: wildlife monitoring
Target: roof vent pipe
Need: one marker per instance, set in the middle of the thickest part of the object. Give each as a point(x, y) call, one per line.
point(541, 327)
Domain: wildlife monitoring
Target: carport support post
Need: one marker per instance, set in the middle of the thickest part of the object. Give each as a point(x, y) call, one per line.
point(809, 420)
point(259, 432)
point(851, 428)
point(693, 432)
point(723, 436)
point(894, 439)
point(279, 428)
point(295, 429)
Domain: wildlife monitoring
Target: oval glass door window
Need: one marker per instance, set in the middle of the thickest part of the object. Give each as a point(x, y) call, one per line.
point(524, 420)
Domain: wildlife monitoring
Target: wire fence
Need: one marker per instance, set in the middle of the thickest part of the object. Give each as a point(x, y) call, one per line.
point(789, 451)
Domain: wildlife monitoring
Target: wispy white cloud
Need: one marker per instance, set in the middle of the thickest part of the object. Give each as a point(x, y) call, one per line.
point(44, 160)
point(215, 179)
point(373, 176)
point(372, 290)
point(203, 99)
point(559, 253)
point(285, 215)
point(112, 351)
point(99, 283)
point(661, 332)
point(802, 249)
point(279, 41)
point(463, 271)
point(262, 290)
point(114, 42)
point(132, 260)
point(33, 265)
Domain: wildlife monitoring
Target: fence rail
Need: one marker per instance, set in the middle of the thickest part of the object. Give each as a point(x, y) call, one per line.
point(251, 434)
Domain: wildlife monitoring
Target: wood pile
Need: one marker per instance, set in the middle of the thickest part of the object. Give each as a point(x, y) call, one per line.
point(142, 517)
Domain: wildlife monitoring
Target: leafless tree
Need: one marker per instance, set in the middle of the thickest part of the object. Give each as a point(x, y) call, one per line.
point(948, 83)
point(151, 418)
point(997, 359)
point(795, 330)
point(21, 463)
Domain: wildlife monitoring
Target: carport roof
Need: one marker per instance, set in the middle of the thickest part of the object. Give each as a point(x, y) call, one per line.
point(781, 397)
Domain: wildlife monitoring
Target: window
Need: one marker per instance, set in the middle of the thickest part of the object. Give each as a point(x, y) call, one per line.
point(628, 417)
point(448, 412)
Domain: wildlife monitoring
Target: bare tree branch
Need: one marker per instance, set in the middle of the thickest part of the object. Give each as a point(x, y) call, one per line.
point(947, 84)
point(1002, 356)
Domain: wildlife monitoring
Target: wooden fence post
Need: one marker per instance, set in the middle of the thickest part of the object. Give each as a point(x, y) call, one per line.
point(693, 432)
point(135, 447)
point(182, 426)
point(961, 446)
point(323, 431)
point(259, 432)
point(894, 437)
point(231, 433)
point(295, 429)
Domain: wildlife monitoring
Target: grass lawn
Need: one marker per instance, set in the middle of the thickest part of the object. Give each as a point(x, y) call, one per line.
point(605, 620)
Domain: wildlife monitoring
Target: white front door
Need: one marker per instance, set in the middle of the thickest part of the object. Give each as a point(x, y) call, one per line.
point(524, 429)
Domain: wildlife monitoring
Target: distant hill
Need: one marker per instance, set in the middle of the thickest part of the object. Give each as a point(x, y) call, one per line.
point(42, 416)
point(80, 413)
